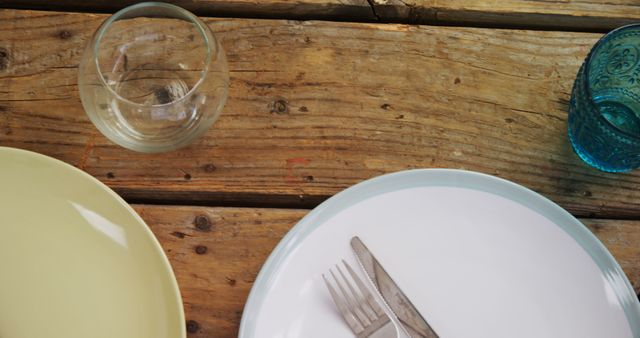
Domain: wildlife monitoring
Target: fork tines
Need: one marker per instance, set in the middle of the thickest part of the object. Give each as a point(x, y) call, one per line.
point(356, 304)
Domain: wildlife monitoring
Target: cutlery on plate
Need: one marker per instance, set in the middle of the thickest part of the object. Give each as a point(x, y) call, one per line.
point(412, 321)
point(360, 310)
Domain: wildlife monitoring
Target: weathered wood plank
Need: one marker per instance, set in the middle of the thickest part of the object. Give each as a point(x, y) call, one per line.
point(562, 15)
point(315, 107)
point(217, 262)
point(216, 266)
point(572, 15)
point(357, 10)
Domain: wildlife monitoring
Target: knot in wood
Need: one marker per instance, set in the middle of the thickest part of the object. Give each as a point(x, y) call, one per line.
point(64, 34)
point(280, 107)
point(202, 223)
point(201, 249)
point(4, 58)
point(192, 326)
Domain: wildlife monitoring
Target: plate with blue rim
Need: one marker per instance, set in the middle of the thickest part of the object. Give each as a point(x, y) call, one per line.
point(479, 256)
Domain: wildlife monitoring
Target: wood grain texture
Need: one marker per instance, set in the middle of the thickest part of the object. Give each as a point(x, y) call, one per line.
point(315, 107)
point(357, 10)
point(217, 264)
point(216, 254)
point(561, 15)
point(622, 239)
point(564, 15)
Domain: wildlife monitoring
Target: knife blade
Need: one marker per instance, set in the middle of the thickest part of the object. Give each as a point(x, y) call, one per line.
point(412, 321)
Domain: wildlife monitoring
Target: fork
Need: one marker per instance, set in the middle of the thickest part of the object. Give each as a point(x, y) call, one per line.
point(360, 310)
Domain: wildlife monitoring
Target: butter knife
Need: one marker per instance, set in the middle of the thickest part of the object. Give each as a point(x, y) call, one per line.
point(414, 324)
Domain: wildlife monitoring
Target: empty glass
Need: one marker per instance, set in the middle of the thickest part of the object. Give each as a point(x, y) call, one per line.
point(153, 77)
point(604, 114)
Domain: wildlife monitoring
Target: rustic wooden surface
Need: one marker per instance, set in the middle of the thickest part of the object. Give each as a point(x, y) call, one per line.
point(216, 254)
point(572, 15)
point(358, 10)
point(565, 15)
point(315, 107)
point(217, 262)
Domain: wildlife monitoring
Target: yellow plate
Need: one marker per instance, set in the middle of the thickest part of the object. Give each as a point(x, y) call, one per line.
point(75, 260)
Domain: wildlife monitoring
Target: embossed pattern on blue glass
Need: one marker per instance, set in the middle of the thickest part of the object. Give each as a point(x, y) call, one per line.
point(604, 112)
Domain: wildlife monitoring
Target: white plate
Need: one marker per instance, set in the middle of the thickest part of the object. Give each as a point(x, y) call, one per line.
point(75, 260)
point(479, 257)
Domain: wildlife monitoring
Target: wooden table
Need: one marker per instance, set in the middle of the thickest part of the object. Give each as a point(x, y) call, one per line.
point(316, 106)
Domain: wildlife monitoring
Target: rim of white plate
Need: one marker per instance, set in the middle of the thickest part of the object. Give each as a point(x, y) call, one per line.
point(443, 178)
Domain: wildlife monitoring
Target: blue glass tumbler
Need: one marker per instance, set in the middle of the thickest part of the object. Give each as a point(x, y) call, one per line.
point(604, 113)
